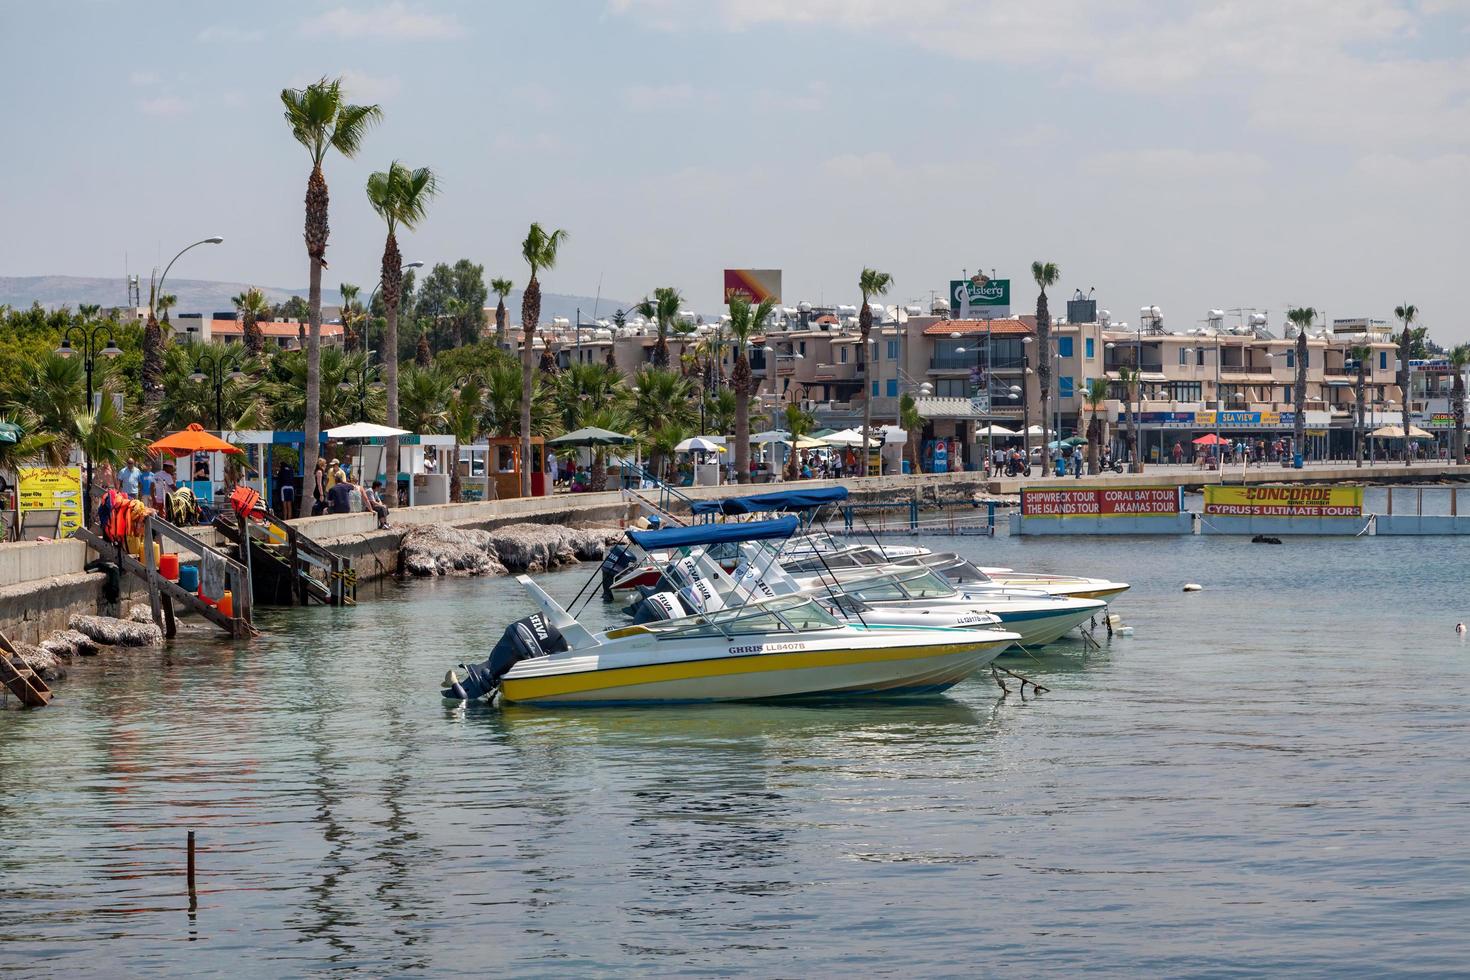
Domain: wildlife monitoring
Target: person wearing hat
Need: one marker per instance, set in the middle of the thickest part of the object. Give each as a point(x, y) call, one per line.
point(335, 475)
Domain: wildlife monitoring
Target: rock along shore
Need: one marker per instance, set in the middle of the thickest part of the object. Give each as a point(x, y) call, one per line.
point(439, 549)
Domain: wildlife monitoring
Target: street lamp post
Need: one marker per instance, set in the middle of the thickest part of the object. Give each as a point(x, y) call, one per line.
point(212, 240)
point(216, 376)
point(89, 351)
point(368, 309)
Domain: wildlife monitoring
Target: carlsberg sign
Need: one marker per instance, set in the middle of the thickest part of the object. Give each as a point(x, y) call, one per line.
point(969, 300)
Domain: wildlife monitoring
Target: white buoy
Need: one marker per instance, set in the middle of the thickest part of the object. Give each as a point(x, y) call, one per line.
point(1460, 628)
point(1193, 587)
point(1123, 631)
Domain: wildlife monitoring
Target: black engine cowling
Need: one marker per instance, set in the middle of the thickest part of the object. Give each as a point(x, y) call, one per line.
point(523, 639)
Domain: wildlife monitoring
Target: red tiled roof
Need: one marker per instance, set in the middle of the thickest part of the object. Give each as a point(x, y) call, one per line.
point(961, 328)
point(271, 328)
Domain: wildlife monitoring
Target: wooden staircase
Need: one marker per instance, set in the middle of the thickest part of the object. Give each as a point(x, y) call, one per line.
point(288, 568)
point(23, 682)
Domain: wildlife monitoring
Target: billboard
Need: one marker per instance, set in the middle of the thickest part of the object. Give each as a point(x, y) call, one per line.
point(60, 489)
point(1283, 501)
point(970, 300)
point(756, 284)
point(1095, 502)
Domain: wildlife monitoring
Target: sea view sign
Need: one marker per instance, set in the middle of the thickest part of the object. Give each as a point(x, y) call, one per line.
point(755, 284)
point(1097, 502)
point(970, 300)
point(1284, 501)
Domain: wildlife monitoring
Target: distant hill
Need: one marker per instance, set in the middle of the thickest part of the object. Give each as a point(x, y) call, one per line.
point(205, 296)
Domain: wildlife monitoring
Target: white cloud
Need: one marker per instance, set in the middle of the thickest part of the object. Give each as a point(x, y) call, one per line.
point(1165, 164)
point(394, 21)
point(363, 87)
point(644, 98)
point(1322, 70)
point(229, 34)
point(164, 105)
point(1450, 169)
point(143, 78)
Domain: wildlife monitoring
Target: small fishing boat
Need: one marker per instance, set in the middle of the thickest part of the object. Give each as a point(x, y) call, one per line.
point(785, 648)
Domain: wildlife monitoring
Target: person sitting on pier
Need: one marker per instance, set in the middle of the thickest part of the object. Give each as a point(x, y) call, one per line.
point(372, 500)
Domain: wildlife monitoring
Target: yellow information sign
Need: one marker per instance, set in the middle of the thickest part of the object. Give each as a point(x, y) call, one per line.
point(1284, 501)
point(45, 488)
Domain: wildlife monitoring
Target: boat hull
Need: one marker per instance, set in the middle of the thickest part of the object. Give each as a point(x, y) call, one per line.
point(876, 672)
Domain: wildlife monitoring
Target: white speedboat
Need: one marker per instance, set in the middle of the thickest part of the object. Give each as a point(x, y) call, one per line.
point(964, 572)
point(787, 647)
point(903, 596)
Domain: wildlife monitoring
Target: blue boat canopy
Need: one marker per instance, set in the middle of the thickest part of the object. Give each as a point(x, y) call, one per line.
point(700, 534)
point(781, 500)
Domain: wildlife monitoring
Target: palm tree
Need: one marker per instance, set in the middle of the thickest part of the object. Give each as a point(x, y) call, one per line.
point(341, 397)
point(912, 423)
point(244, 401)
point(1046, 274)
point(719, 412)
point(1406, 313)
point(51, 394)
point(504, 397)
point(1130, 377)
point(425, 399)
point(1302, 317)
point(32, 447)
point(352, 315)
point(1361, 354)
point(501, 288)
point(871, 283)
point(798, 424)
point(109, 434)
point(321, 120)
point(401, 197)
point(663, 402)
point(663, 309)
point(583, 390)
point(166, 302)
point(252, 305)
point(745, 322)
point(152, 353)
point(1459, 360)
point(1097, 424)
point(539, 250)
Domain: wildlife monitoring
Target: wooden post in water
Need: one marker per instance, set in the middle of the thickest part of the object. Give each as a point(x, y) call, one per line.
point(193, 894)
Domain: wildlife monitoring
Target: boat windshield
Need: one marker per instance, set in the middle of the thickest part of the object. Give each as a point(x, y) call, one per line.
point(788, 614)
point(957, 569)
point(920, 583)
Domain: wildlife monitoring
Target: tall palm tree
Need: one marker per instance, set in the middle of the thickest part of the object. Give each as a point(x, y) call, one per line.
point(663, 309)
point(401, 197)
point(1361, 354)
point(1097, 423)
point(1302, 317)
point(352, 317)
point(152, 353)
point(252, 305)
point(1046, 274)
point(539, 250)
point(321, 120)
point(871, 283)
point(661, 395)
point(745, 322)
point(1406, 313)
point(1130, 377)
point(1459, 360)
point(166, 302)
point(501, 288)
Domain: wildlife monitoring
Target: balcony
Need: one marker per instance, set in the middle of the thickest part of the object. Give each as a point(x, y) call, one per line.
point(836, 372)
point(954, 362)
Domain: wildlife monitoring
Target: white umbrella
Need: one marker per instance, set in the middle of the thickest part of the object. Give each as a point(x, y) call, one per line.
point(846, 437)
point(995, 430)
point(769, 436)
point(697, 444)
point(364, 430)
point(1034, 430)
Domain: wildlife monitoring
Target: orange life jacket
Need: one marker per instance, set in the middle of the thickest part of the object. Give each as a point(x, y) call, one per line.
point(245, 501)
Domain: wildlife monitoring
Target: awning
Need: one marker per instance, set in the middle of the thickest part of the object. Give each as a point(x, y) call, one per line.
point(781, 500)
point(702, 534)
point(1153, 377)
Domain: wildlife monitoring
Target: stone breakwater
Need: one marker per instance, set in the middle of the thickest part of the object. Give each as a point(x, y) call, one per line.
point(439, 549)
point(86, 636)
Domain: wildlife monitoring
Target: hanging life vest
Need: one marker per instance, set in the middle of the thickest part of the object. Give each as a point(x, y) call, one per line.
point(246, 501)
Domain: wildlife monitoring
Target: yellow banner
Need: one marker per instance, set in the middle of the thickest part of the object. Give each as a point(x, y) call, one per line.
point(42, 488)
point(1284, 501)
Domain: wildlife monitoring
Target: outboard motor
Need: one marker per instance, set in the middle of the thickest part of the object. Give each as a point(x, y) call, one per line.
point(618, 561)
point(523, 639)
point(660, 606)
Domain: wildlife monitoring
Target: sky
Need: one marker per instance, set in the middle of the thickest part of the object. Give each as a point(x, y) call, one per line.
point(1245, 153)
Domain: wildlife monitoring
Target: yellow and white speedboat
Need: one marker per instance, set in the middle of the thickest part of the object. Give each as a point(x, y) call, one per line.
point(785, 648)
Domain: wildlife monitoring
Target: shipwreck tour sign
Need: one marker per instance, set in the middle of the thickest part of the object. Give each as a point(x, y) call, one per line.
point(1099, 502)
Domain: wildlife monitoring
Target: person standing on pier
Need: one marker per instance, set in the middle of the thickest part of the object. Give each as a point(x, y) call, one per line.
point(129, 479)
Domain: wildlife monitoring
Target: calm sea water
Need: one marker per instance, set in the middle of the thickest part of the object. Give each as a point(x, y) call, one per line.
point(1268, 776)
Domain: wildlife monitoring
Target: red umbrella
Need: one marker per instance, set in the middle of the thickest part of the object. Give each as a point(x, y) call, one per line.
point(192, 440)
point(1210, 439)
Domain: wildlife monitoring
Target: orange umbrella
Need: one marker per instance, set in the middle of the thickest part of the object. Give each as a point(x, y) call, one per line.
point(193, 440)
